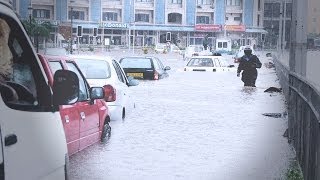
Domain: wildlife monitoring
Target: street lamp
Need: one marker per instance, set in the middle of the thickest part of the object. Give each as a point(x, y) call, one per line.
point(30, 17)
point(71, 48)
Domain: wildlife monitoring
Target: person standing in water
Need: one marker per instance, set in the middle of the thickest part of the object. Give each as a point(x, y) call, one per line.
point(248, 64)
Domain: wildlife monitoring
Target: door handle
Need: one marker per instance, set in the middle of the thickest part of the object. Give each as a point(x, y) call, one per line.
point(10, 140)
point(83, 116)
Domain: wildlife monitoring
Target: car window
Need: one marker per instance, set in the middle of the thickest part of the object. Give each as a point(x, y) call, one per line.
point(19, 70)
point(156, 64)
point(94, 69)
point(118, 71)
point(159, 63)
point(83, 89)
point(135, 63)
point(55, 51)
point(201, 62)
point(217, 62)
point(54, 66)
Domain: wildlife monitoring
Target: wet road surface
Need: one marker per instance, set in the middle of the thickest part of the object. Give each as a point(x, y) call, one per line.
point(193, 125)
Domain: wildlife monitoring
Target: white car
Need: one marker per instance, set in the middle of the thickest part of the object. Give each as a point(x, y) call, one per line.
point(209, 64)
point(106, 72)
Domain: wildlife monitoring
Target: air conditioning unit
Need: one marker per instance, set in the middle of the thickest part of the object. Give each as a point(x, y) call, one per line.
point(199, 6)
point(211, 7)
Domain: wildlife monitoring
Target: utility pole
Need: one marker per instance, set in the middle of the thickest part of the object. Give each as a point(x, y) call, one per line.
point(71, 47)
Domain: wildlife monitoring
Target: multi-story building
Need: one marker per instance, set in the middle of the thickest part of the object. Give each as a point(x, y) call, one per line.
point(146, 22)
point(277, 22)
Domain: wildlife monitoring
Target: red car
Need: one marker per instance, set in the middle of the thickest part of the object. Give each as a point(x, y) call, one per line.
point(86, 121)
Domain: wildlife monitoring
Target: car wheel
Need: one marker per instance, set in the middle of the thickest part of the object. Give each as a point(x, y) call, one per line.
point(106, 132)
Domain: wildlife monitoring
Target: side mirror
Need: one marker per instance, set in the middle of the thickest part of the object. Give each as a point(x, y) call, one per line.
point(167, 68)
point(65, 87)
point(96, 93)
point(132, 81)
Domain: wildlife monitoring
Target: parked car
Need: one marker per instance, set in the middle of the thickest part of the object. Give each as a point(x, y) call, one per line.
point(32, 139)
point(107, 72)
point(240, 53)
point(55, 52)
point(160, 47)
point(86, 121)
point(208, 63)
point(144, 67)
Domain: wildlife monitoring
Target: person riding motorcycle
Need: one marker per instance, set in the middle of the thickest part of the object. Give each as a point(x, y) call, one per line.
point(248, 64)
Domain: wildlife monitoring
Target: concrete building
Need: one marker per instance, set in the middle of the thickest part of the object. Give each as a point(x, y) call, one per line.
point(147, 22)
point(277, 22)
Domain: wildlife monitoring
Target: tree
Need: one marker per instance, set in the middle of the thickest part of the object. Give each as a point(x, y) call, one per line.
point(36, 30)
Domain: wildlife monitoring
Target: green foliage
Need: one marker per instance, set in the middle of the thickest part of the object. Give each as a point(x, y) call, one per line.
point(33, 28)
point(294, 172)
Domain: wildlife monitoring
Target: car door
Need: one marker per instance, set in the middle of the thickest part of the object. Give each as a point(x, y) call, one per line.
point(160, 68)
point(88, 111)
point(69, 114)
point(123, 86)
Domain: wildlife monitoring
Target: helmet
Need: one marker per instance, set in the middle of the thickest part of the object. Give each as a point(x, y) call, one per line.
point(247, 50)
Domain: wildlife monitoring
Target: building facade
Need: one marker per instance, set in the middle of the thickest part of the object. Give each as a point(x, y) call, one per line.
point(147, 22)
point(277, 22)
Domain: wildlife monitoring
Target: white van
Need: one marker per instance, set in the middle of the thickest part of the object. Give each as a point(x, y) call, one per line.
point(32, 139)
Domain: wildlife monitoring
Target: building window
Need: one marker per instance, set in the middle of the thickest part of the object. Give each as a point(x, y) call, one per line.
point(110, 16)
point(237, 18)
point(272, 10)
point(258, 20)
point(175, 18)
point(176, 1)
point(142, 18)
point(234, 2)
point(79, 15)
point(144, 0)
point(259, 5)
point(41, 13)
point(204, 2)
point(203, 20)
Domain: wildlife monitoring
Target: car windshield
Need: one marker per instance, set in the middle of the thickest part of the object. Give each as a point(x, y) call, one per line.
point(94, 69)
point(201, 62)
point(135, 63)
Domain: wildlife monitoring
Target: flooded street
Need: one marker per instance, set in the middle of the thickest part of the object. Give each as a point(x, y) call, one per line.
point(193, 125)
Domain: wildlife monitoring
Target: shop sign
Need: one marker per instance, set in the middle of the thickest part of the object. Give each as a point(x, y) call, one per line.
point(241, 28)
point(207, 27)
point(115, 25)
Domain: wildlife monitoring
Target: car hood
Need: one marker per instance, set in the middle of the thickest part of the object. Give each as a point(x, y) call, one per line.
point(97, 82)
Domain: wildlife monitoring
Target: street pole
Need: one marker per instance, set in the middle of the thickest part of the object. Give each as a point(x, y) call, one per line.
point(30, 19)
point(71, 48)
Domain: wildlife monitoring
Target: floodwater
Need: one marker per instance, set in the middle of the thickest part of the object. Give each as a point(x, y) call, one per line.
point(194, 125)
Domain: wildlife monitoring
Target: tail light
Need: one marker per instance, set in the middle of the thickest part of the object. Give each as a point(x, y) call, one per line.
point(156, 75)
point(109, 93)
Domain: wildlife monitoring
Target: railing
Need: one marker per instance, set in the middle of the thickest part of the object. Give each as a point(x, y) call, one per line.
point(303, 119)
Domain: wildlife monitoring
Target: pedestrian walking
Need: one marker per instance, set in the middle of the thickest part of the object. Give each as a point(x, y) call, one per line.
point(248, 64)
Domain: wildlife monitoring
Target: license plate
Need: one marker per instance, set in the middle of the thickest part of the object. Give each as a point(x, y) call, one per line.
point(140, 75)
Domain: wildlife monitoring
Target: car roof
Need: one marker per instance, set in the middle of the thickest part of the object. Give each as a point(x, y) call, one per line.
point(92, 57)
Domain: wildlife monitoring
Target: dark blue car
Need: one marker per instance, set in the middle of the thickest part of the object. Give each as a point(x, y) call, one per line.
point(144, 67)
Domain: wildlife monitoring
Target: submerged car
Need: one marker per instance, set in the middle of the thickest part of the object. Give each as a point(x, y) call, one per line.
point(150, 68)
point(86, 121)
point(209, 64)
point(107, 72)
